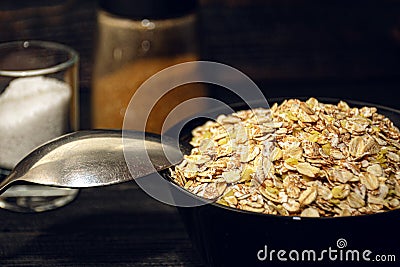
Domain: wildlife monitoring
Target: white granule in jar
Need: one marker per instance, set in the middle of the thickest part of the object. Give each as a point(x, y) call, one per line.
point(32, 111)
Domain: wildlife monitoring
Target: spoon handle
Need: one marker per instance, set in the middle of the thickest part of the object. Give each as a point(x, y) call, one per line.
point(7, 182)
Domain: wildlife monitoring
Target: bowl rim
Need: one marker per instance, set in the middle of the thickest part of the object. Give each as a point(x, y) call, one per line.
point(329, 100)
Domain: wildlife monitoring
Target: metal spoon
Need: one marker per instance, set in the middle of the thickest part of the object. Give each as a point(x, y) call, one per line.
point(95, 158)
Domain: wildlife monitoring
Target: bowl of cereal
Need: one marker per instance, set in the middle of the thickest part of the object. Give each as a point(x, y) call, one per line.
point(307, 181)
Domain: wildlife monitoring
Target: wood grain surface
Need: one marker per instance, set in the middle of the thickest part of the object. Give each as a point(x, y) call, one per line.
point(110, 226)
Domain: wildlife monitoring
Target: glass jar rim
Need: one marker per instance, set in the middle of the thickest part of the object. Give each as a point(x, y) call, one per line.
point(73, 57)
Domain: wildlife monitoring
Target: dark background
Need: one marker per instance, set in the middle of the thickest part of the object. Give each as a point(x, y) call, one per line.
point(345, 49)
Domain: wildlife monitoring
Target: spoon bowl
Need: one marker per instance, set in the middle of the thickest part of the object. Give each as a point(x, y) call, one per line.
point(95, 158)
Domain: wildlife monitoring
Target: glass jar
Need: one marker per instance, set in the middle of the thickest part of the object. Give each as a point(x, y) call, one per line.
point(135, 40)
point(38, 102)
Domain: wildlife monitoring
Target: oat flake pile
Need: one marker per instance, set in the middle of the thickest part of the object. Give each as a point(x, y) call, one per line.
point(299, 158)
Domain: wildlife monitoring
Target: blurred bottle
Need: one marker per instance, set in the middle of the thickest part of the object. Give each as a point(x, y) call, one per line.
point(136, 39)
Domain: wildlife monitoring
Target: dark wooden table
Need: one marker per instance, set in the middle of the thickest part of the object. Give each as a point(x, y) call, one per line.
point(111, 226)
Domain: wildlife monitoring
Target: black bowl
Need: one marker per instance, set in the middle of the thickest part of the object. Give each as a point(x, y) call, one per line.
point(225, 236)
